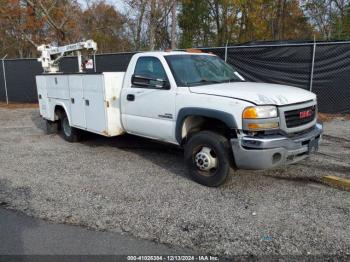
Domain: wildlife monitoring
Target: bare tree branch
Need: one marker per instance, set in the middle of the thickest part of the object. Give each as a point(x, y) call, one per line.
point(29, 39)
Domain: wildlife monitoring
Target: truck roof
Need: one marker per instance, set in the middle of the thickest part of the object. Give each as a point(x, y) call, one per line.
point(167, 53)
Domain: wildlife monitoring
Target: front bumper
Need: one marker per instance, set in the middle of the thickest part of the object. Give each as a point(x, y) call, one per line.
point(264, 153)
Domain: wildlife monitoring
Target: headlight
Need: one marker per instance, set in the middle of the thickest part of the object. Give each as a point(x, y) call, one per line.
point(258, 112)
point(258, 118)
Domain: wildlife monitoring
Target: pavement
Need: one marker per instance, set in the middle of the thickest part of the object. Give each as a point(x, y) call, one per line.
point(133, 186)
point(25, 235)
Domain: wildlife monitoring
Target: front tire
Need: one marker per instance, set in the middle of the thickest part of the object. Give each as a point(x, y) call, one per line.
point(68, 132)
point(208, 158)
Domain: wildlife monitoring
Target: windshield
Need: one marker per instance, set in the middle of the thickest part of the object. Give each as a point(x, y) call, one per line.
point(191, 70)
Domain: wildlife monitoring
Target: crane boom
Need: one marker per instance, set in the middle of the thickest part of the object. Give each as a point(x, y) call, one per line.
point(50, 55)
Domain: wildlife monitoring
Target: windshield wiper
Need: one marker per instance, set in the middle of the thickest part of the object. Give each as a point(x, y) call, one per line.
point(204, 81)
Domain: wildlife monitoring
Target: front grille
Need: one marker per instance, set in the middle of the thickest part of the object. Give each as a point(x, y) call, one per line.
point(300, 133)
point(300, 116)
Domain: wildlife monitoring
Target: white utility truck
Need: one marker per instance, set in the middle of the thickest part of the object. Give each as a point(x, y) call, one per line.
point(191, 99)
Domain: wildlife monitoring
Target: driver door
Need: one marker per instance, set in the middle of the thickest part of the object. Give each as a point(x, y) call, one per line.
point(150, 108)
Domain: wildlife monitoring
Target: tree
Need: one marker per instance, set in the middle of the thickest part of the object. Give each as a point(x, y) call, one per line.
point(173, 24)
point(136, 14)
point(103, 23)
point(273, 20)
point(320, 13)
point(155, 24)
point(19, 28)
point(329, 17)
point(341, 21)
point(195, 23)
point(61, 17)
point(150, 22)
point(237, 21)
point(26, 24)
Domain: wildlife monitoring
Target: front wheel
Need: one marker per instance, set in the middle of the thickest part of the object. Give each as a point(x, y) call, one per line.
point(68, 132)
point(208, 158)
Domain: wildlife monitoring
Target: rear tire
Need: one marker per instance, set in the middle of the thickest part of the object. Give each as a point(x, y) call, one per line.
point(68, 132)
point(208, 158)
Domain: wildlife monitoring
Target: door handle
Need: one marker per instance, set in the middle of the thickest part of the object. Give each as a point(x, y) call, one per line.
point(87, 103)
point(72, 100)
point(130, 97)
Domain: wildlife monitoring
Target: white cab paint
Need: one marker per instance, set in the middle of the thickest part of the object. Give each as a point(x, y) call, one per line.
point(42, 97)
point(225, 104)
point(258, 93)
point(153, 112)
point(57, 86)
point(91, 101)
point(95, 108)
point(77, 101)
point(113, 87)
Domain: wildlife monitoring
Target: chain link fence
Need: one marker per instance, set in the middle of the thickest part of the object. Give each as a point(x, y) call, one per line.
point(323, 68)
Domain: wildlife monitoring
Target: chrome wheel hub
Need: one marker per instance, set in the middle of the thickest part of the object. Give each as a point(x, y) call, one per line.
point(205, 160)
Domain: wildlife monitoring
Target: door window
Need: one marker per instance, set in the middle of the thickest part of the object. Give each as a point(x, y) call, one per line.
point(152, 71)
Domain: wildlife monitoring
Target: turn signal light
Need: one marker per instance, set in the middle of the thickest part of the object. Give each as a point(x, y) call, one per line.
point(262, 126)
point(250, 112)
point(254, 112)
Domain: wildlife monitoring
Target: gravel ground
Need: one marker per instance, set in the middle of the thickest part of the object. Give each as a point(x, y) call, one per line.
point(129, 184)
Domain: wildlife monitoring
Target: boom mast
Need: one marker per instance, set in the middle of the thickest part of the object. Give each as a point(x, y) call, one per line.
point(51, 55)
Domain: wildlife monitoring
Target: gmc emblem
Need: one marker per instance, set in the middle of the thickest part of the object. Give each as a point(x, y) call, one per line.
point(305, 114)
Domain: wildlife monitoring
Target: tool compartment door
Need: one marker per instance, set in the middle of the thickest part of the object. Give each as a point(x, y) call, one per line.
point(57, 86)
point(95, 110)
point(113, 83)
point(77, 102)
point(42, 95)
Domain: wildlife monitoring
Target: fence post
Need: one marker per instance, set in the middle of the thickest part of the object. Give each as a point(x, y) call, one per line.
point(95, 61)
point(226, 51)
point(312, 64)
point(5, 82)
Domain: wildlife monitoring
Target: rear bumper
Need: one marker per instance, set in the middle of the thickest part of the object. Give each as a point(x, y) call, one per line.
point(265, 153)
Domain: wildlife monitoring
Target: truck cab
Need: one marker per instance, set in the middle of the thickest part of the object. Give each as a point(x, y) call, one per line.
point(200, 103)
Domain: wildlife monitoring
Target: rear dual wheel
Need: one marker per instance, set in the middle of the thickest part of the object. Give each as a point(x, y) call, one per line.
point(51, 127)
point(68, 132)
point(208, 158)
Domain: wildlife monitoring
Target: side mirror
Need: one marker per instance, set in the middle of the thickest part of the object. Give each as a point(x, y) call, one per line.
point(145, 81)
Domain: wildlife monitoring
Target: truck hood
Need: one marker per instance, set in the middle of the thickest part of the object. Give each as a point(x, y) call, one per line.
point(257, 93)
